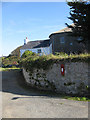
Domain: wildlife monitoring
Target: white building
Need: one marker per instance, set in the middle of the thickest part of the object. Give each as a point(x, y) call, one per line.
point(43, 47)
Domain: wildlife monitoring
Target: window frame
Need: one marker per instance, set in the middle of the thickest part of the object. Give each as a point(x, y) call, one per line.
point(71, 44)
point(62, 40)
point(39, 51)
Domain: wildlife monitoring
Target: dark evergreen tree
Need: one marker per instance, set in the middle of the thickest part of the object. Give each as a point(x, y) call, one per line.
point(80, 16)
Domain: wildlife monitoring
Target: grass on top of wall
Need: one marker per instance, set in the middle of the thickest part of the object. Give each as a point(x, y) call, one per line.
point(45, 61)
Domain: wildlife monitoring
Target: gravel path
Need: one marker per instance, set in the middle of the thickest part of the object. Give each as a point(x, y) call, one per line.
point(21, 102)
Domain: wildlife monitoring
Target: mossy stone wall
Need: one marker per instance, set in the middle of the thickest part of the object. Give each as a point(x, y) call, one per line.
point(74, 81)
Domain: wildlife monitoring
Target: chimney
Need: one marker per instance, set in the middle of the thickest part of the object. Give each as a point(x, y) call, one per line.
point(25, 41)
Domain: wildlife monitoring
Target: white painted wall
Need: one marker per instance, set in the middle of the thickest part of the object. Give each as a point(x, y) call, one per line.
point(44, 50)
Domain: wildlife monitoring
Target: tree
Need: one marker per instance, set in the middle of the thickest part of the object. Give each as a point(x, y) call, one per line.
point(80, 16)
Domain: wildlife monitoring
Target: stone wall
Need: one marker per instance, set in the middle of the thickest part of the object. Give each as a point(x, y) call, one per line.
point(74, 81)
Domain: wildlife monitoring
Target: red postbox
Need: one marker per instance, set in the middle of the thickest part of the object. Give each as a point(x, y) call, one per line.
point(62, 69)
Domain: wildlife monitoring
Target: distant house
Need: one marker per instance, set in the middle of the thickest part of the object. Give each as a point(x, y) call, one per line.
point(42, 47)
point(62, 41)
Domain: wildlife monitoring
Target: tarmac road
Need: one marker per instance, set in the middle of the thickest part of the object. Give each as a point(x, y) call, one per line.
point(21, 102)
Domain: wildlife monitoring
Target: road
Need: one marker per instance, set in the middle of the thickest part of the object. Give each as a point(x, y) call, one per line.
point(19, 101)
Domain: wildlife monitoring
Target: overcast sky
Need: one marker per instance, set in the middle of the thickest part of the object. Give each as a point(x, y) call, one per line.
point(35, 20)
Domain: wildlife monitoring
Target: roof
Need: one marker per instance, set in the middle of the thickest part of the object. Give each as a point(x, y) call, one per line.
point(36, 44)
point(63, 30)
point(66, 29)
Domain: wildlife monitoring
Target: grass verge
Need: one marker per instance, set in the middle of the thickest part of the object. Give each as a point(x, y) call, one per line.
point(8, 69)
point(77, 98)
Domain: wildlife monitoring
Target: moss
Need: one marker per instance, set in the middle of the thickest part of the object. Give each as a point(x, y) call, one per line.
point(43, 74)
point(32, 77)
point(81, 86)
point(88, 88)
point(36, 80)
point(35, 84)
point(69, 83)
point(39, 85)
point(30, 74)
point(82, 89)
point(51, 84)
point(38, 75)
point(47, 86)
point(46, 80)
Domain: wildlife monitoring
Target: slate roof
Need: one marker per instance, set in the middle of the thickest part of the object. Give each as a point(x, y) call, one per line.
point(63, 30)
point(66, 29)
point(36, 44)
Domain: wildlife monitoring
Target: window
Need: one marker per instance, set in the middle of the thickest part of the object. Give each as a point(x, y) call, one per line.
point(39, 50)
point(80, 38)
point(71, 43)
point(62, 40)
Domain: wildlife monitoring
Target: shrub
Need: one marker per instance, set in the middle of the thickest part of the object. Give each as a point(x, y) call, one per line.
point(60, 54)
point(27, 53)
point(10, 60)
